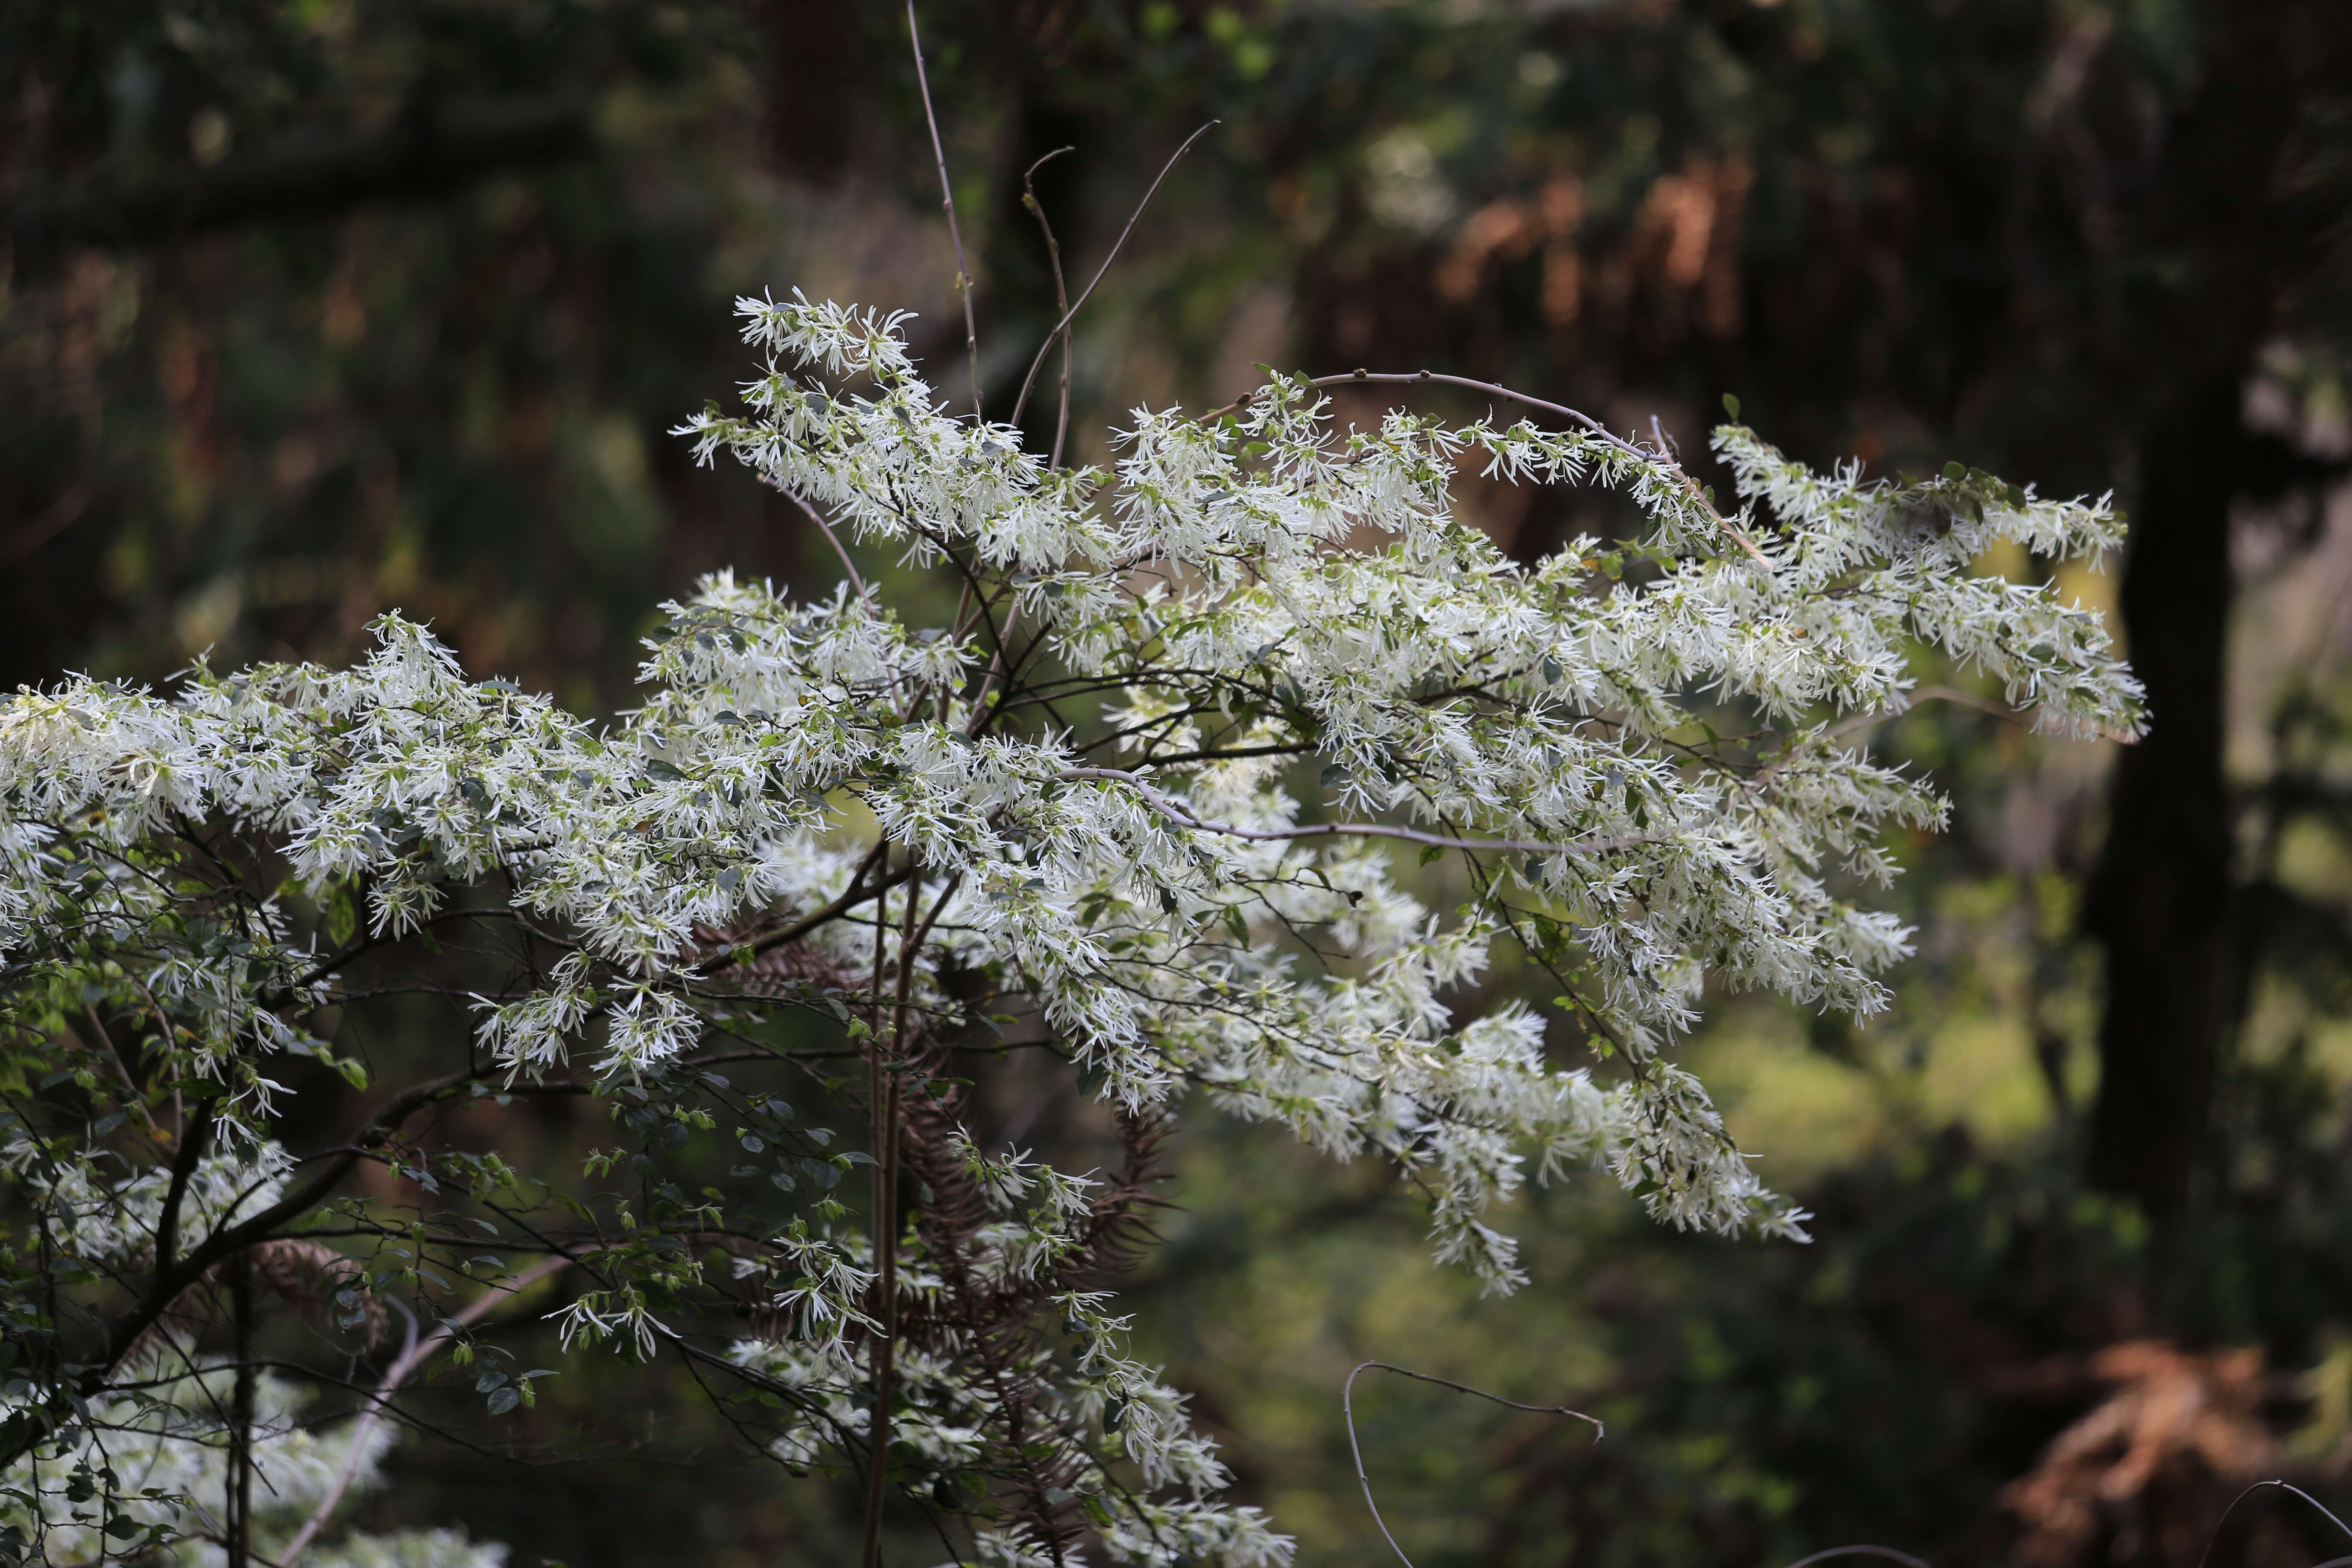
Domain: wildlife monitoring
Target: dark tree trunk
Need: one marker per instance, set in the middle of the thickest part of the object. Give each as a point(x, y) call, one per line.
point(2161, 897)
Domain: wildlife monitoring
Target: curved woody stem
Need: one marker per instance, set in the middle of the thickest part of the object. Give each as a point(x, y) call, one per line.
point(1355, 1449)
point(947, 201)
point(1044, 347)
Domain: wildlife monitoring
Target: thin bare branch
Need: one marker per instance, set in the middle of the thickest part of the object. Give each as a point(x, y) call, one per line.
point(946, 200)
point(2206, 1555)
point(1043, 349)
point(832, 538)
point(415, 1353)
point(1348, 1412)
point(1061, 294)
point(1888, 1553)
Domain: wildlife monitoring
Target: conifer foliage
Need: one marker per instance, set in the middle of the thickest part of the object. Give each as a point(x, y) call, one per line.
point(1156, 801)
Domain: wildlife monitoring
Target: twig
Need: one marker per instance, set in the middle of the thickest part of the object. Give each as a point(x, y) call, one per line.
point(2206, 1555)
point(1043, 349)
point(1348, 1412)
point(878, 1085)
point(238, 1502)
point(832, 538)
point(414, 1353)
point(946, 200)
point(886, 1083)
point(857, 893)
point(1177, 814)
point(1888, 1553)
point(996, 664)
point(1061, 293)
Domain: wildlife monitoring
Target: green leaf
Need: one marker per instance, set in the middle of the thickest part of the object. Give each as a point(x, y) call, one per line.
point(504, 1399)
point(1731, 403)
point(342, 918)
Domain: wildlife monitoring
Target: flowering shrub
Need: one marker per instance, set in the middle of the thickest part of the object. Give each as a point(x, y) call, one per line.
point(1150, 803)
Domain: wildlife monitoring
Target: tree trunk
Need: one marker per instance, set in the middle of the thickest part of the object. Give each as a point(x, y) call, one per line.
point(2161, 900)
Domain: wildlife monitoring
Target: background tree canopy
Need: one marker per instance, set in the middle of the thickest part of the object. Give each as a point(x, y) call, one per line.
point(317, 309)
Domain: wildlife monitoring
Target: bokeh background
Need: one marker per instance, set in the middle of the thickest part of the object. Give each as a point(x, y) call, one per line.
point(311, 309)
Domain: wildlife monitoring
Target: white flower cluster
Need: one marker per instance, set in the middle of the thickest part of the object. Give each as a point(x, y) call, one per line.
point(163, 1449)
point(111, 1223)
point(1153, 784)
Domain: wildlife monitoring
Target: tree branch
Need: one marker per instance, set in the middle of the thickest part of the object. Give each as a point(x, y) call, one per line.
point(412, 1356)
point(1069, 315)
point(1347, 1413)
point(32, 1424)
point(946, 200)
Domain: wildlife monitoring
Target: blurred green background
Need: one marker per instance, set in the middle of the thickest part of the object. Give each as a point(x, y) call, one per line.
point(314, 307)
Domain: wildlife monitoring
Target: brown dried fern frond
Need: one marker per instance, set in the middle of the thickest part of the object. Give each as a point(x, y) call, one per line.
point(305, 1276)
point(2138, 1476)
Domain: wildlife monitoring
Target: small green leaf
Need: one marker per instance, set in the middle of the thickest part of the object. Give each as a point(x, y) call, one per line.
point(504, 1399)
point(1731, 403)
point(342, 918)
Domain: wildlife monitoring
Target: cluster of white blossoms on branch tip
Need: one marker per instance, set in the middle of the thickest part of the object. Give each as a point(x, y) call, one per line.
point(1159, 794)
